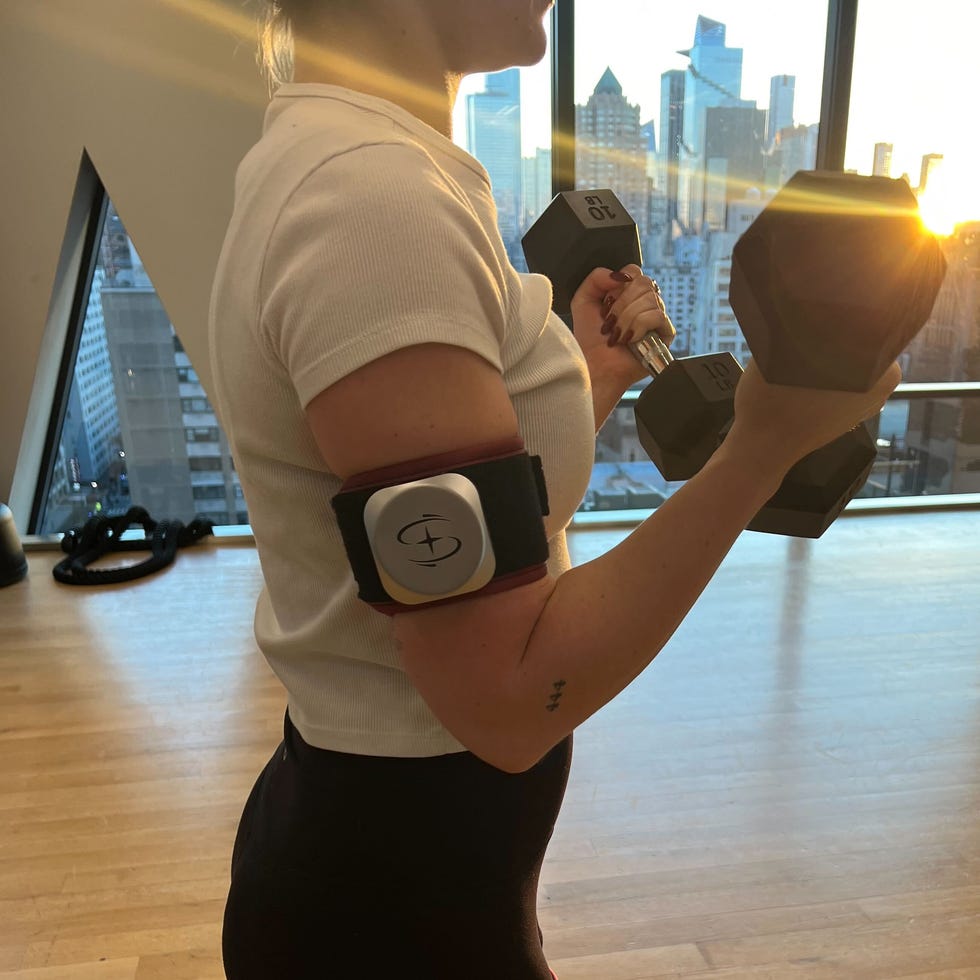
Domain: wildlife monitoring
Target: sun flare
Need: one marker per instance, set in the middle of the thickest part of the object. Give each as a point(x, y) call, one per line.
point(950, 199)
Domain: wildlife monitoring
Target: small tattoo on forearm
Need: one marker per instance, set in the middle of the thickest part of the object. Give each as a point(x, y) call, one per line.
point(556, 695)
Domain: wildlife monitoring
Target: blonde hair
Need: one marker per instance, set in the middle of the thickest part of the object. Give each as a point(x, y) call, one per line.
point(276, 51)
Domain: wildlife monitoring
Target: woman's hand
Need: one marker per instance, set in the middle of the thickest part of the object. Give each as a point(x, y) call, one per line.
point(782, 423)
point(610, 309)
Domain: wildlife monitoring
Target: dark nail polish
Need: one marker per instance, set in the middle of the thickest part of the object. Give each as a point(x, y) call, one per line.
point(609, 323)
point(608, 301)
point(614, 337)
point(621, 277)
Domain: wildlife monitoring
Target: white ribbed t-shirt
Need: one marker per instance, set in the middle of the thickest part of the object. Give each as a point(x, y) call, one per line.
point(359, 230)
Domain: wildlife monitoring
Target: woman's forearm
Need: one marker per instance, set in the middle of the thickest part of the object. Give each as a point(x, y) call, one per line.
point(607, 390)
point(606, 620)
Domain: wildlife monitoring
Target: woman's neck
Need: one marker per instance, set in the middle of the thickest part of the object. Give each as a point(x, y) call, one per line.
point(388, 71)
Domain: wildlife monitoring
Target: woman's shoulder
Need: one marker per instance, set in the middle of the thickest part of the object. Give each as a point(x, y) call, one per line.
point(300, 134)
point(320, 141)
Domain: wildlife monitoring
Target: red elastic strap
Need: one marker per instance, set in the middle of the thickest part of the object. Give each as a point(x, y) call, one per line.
point(426, 466)
point(360, 485)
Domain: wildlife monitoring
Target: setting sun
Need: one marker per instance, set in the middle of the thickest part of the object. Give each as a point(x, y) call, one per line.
point(950, 198)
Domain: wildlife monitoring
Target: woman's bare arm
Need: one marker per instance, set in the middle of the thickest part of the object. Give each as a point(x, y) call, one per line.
point(511, 674)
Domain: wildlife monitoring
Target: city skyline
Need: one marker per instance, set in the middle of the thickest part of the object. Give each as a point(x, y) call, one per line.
point(733, 155)
point(777, 40)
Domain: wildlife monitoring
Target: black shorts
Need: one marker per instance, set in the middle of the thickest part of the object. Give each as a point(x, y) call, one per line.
point(365, 867)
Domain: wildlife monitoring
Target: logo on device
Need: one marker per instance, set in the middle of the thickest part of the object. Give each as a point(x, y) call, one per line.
point(429, 538)
point(424, 538)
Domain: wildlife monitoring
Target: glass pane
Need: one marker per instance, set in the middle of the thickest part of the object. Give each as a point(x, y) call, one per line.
point(693, 123)
point(925, 447)
point(928, 446)
point(920, 134)
point(138, 428)
point(504, 120)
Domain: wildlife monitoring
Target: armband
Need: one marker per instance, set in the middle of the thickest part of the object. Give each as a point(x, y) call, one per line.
point(445, 527)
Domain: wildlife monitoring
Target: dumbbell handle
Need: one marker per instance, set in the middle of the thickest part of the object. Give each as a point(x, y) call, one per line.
point(652, 353)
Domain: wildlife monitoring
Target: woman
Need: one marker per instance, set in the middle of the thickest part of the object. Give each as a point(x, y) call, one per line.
point(365, 316)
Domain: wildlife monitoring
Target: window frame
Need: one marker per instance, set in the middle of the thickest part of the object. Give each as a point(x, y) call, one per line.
point(84, 236)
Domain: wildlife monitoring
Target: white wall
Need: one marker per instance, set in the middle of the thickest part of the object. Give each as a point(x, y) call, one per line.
point(166, 98)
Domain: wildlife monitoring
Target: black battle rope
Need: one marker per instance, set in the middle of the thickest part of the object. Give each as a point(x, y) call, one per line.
point(101, 535)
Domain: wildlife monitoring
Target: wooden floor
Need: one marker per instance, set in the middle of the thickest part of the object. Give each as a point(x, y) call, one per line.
point(792, 790)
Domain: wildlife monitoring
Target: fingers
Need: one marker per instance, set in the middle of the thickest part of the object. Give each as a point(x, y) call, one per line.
point(635, 309)
point(602, 282)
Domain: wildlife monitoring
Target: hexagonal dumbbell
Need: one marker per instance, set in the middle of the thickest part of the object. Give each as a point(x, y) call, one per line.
point(818, 488)
point(680, 415)
point(833, 279)
point(829, 284)
point(830, 254)
point(683, 414)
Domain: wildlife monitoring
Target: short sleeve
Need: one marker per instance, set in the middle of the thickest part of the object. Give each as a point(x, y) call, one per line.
point(376, 250)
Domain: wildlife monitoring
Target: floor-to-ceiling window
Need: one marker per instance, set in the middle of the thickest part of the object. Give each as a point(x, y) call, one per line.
point(695, 121)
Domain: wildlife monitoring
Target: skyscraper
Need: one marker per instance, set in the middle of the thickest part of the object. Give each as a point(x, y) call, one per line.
point(781, 92)
point(931, 163)
point(177, 462)
point(648, 133)
point(671, 138)
point(713, 79)
point(734, 161)
point(536, 190)
point(96, 404)
point(716, 328)
point(493, 136)
point(796, 149)
point(610, 149)
point(883, 160)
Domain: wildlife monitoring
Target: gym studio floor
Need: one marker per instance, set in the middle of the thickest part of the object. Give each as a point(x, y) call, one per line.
point(792, 790)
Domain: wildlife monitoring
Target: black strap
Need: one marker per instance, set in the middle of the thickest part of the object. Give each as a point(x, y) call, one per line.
point(101, 535)
point(514, 499)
